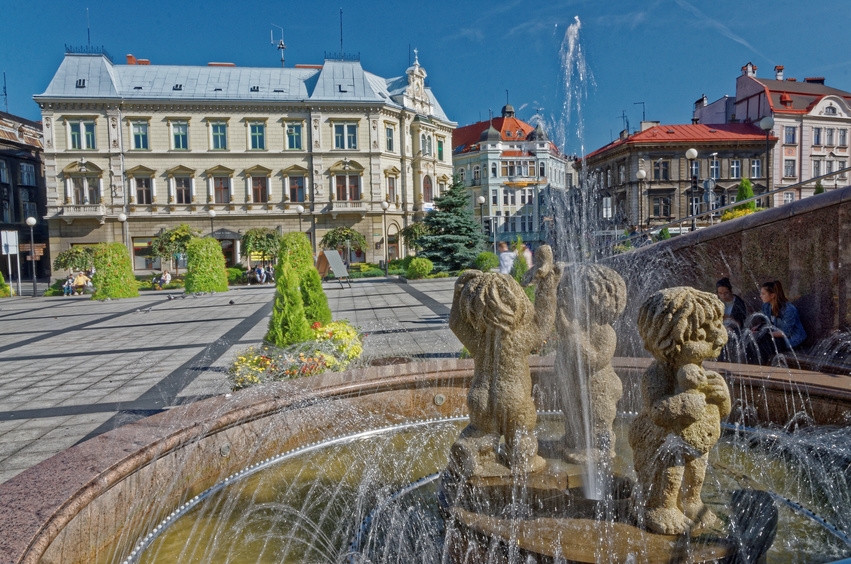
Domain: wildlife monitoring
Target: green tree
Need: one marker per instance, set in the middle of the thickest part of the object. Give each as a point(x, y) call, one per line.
point(295, 249)
point(113, 276)
point(343, 238)
point(745, 191)
point(288, 323)
point(521, 267)
point(205, 266)
point(77, 258)
point(313, 297)
point(819, 188)
point(5, 289)
point(261, 240)
point(487, 261)
point(412, 233)
point(454, 237)
point(171, 243)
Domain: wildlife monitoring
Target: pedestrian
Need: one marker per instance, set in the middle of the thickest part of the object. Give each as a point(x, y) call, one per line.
point(782, 330)
point(68, 286)
point(506, 258)
point(526, 253)
point(80, 283)
point(270, 273)
point(260, 274)
point(735, 313)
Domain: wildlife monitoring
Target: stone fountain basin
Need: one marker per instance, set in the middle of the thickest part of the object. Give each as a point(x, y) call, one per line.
point(94, 501)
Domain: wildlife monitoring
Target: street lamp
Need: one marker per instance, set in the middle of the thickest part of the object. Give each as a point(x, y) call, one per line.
point(481, 200)
point(122, 217)
point(212, 214)
point(31, 221)
point(766, 124)
point(299, 210)
point(641, 175)
point(384, 205)
point(691, 154)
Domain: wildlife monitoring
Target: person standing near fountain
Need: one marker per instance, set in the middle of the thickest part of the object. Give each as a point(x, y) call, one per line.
point(590, 298)
point(785, 330)
point(682, 407)
point(496, 322)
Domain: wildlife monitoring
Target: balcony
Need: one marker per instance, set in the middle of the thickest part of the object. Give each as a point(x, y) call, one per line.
point(349, 206)
point(70, 212)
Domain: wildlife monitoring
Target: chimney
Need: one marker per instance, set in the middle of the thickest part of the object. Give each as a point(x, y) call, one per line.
point(815, 80)
point(131, 60)
point(778, 72)
point(143, 61)
point(749, 70)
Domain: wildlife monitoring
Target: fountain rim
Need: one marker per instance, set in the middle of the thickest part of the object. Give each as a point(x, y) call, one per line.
point(41, 501)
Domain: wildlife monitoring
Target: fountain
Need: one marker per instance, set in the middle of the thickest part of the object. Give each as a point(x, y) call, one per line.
point(382, 464)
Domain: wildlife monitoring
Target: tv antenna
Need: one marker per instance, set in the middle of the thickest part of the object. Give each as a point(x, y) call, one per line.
point(643, 109)
point(5, 97)
point(625, 120)
point(281, 46)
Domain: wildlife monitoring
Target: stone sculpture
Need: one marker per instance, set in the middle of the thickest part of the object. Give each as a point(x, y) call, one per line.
point(590, 298)
point(682, 407)
point(494, 319)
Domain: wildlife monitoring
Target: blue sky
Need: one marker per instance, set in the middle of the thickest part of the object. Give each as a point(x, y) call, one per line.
point(665, 53)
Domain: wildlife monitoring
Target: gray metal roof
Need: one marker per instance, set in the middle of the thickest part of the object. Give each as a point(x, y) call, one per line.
point(336, 81)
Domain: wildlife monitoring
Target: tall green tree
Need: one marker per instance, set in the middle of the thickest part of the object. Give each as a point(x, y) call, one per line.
point(295, 249)
point(78, 258)
point(113, 273)
point(819, 188)
point(288, 324)
point(340, 237)
point(205, 266)
point(745, 191)
point(171, 244)
point(412, 233)
point(263, 241)
point(454, 237)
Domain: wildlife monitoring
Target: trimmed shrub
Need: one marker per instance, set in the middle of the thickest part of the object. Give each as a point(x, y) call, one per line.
point(313, 297)
point(5, 289)
point(296, 250)
point(205, 266)
point(235, 276)
point(442, 274)
point(819, 189)
point(371, 272)
point(734, 213)
point(419, 268)
point(113, 273)
point(745, 191)
point(487, 261)
point(288, 324)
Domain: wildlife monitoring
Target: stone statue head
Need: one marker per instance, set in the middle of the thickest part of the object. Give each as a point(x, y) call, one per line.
point(591, 291)
point(682, 325)
point(494, 300)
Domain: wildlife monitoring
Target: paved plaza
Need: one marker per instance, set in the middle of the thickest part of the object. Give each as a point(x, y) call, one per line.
point(72, 368)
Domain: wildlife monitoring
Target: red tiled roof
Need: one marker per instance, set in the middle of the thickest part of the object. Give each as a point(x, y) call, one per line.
point(799, 97)
point(469, 134)
point(689, 133)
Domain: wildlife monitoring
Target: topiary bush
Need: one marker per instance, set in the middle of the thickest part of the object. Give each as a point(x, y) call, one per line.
point(313, 297)
point(235, 276)
point(288, 324)
point(5, 289)
point(419, 268)
point(113, 273)
point(295, 249)
point(486, 261)
point(205, 266)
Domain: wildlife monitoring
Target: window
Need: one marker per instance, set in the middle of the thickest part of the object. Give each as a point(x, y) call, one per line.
point(140, 136)
point(816, 167)
point(143, 190)
point(843, 138)
point(839, 166)
point(735, 168)
point(388, 139)
point(756, 168)
point(345, 136)
point(542, 170)
point(294, 142)
point(428, 190)
point(715, 169)
point(4, 173)
point(440, 149)
point(183, 189)
point(348, 187)
point(28, 174)
point(828, 136)
point(85, 190)
point(789, 135)
point(816, 136)
point(462, 174)
point(477, 173)
point(493, 170)
point(829, 168)
point(441, 188)
point(221, 189)
point(82, 134)
point(391, 189)
point(259, 192)
point(180, 135)
point(428, 144)
point(296, 188)
point(660, 170)
point(788, 197)
point(257, 133)
point(695, 205)
point(662, 206)
point(694, 165)
point(607, 207)
point(789, 168)
point(830, 111)
point(219, 135)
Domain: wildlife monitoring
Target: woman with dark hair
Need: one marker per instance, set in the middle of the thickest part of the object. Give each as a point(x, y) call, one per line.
point(735, 311)
point(784, 330)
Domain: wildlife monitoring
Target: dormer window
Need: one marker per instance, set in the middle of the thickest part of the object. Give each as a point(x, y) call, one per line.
point(508, 134)
point(830, 111)
point(81, 83)
point(255, 89)
point(177, 87)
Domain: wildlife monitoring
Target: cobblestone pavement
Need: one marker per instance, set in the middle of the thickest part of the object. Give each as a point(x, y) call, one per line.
point(72, 368)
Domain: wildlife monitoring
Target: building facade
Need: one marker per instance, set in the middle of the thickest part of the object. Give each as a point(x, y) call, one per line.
point(512, 165)
point(22, 192)
point(646, 179)
point(133, 149)
point(811, 122)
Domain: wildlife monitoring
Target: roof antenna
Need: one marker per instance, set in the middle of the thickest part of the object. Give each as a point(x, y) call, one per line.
point(506, 96)
point(88, 28)
point(341, 32)
point(281, 45)
point(5, 97)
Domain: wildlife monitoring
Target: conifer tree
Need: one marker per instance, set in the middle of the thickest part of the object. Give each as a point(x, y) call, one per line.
point(745, 191)
point(454, 237)
point(205, 266)
point(313, 296)
point(288, 324)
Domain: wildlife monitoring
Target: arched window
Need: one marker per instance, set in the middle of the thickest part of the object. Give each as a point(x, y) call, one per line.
point(542, 170)
point(429, 145)
point(423, 144)
point(477, 172)
point(493, 170)
point(428, 191)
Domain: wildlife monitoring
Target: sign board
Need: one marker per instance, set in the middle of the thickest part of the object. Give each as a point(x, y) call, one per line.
point(9, 242)
point(330, 261)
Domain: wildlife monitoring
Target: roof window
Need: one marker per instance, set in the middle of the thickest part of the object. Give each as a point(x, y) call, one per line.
point(177, 87)
point(81, 83)
point(255, 89)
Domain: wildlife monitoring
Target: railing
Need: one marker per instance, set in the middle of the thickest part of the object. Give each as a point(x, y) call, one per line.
point(355, 205)
point(85, 210)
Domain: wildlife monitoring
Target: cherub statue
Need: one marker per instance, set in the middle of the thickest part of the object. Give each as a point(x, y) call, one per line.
point(497, 323)
point(590, 297)
point(682, 406)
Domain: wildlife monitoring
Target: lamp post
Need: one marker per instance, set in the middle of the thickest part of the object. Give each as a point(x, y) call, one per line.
point(299, 210)
point(766, 124)
point(481, 201)
point(122, 217)
point(691, 154)
point(384, 205)
point(212, 214)
point(641, 175)
point(31, 221)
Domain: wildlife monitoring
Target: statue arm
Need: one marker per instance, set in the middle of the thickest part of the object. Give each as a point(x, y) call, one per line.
point(458, 323)
point(717, 392)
